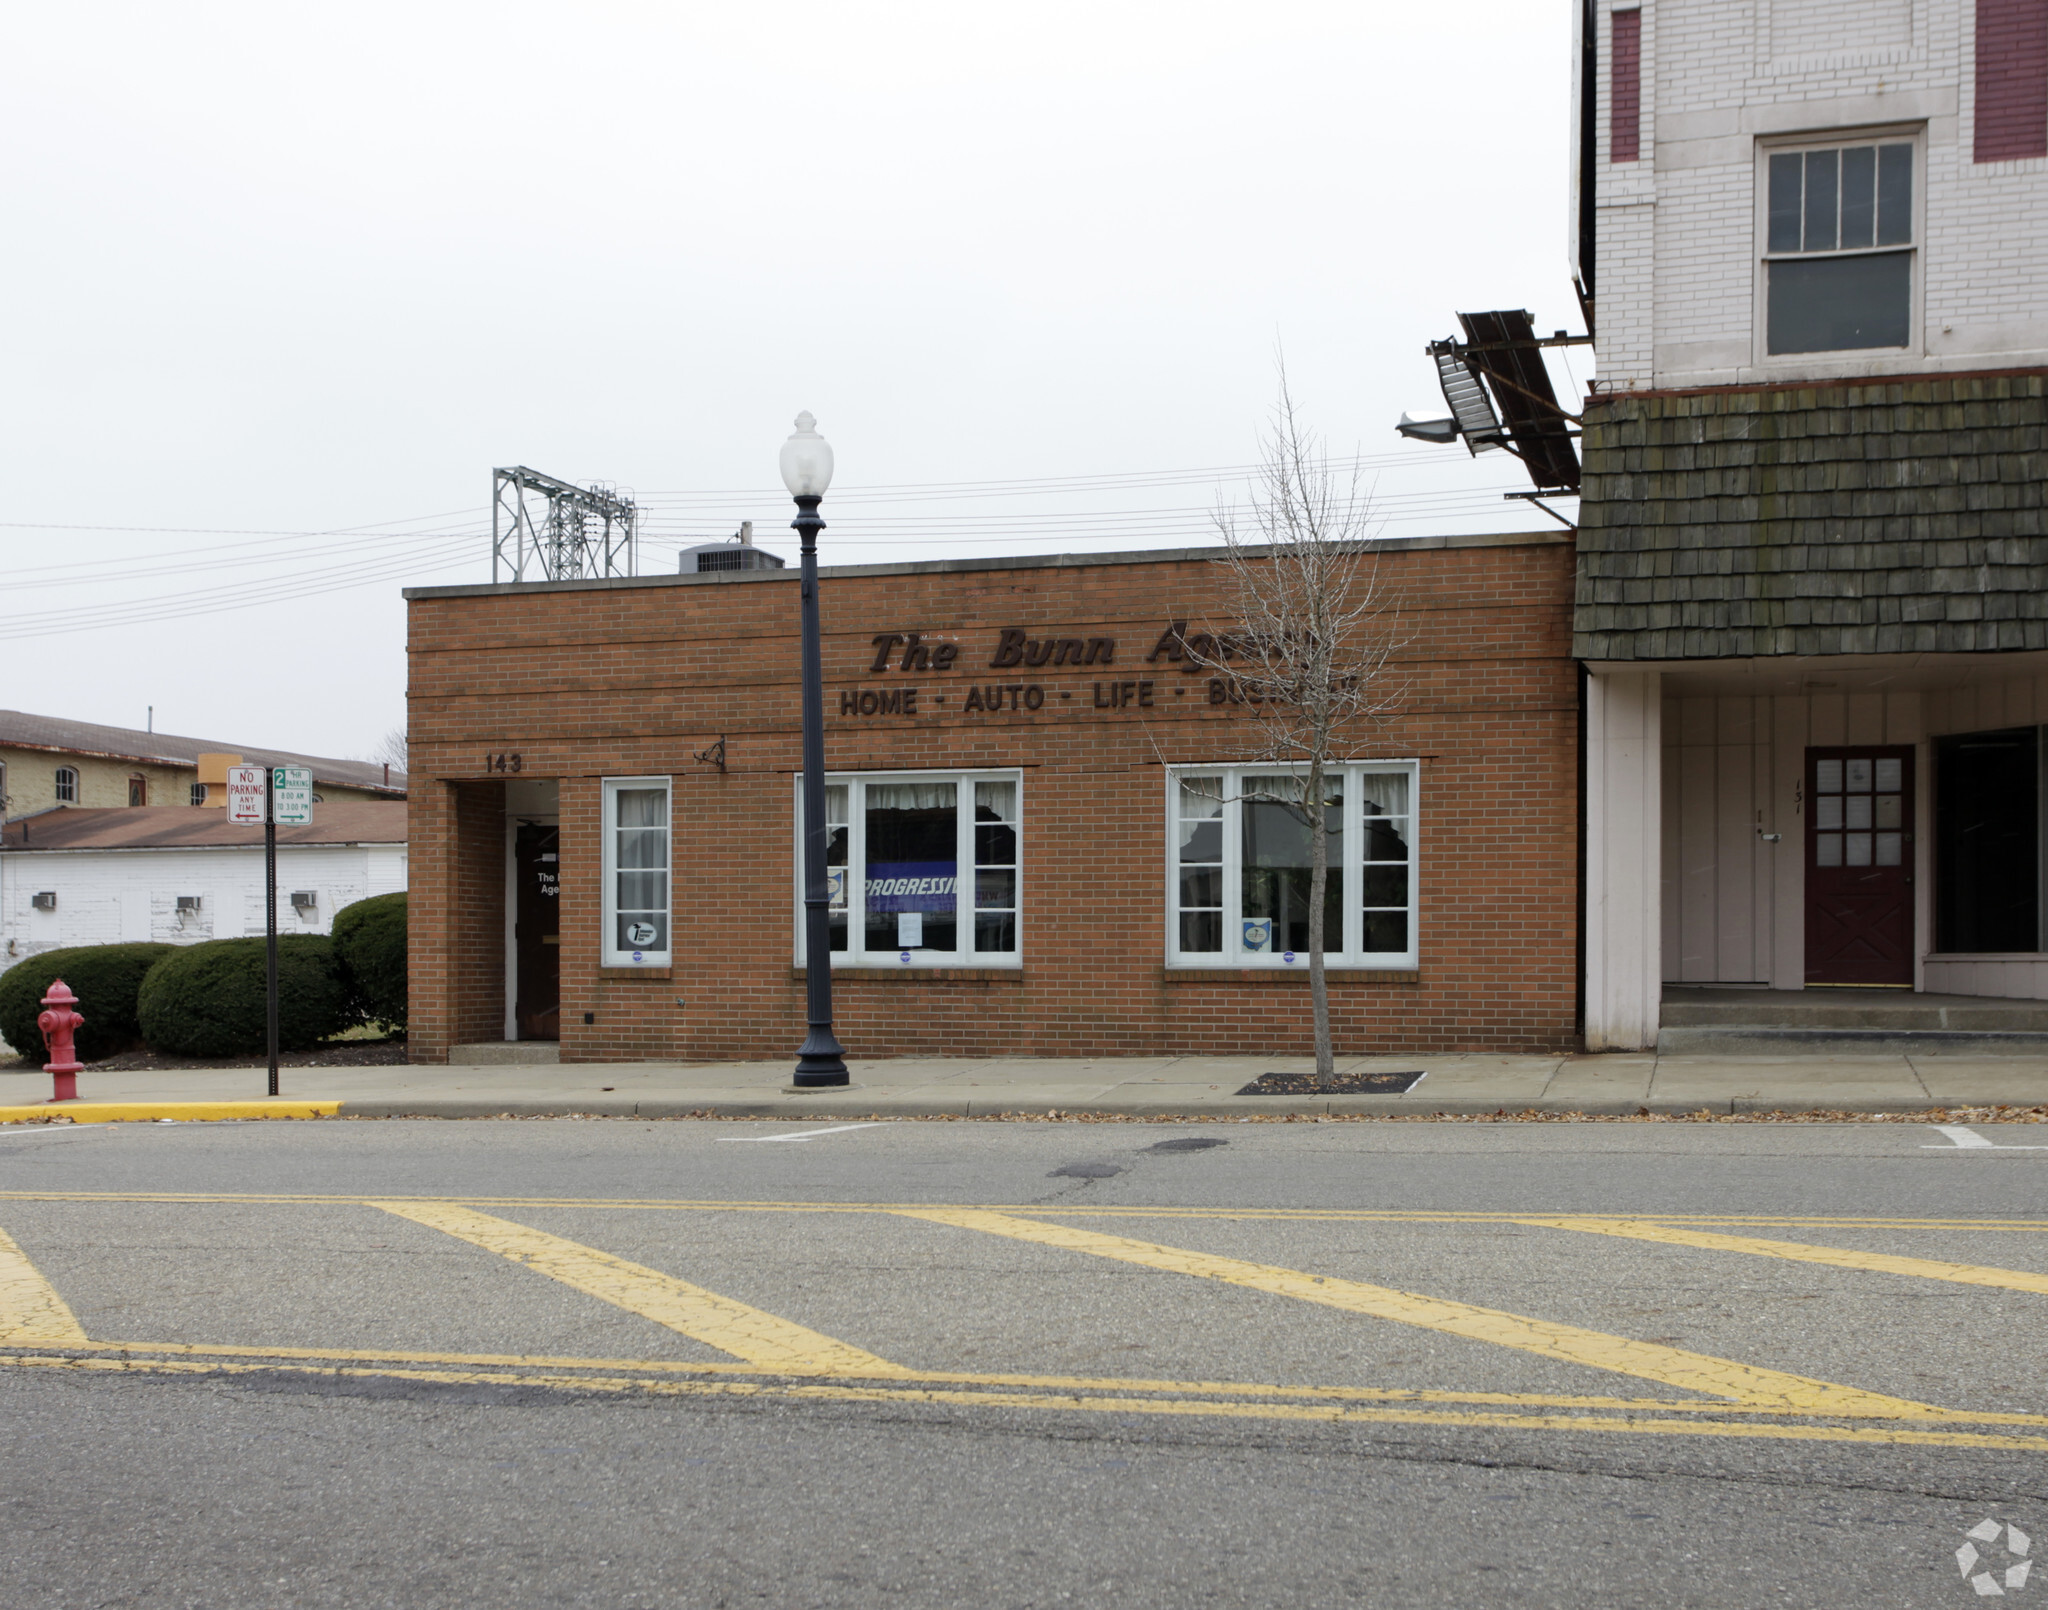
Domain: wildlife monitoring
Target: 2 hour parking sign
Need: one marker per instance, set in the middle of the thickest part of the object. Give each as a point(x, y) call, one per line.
point(291, 795)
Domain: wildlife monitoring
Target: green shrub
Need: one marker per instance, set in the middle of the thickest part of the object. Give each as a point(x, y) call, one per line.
point(105, 978)
point(207, 1000)
point(369, 945)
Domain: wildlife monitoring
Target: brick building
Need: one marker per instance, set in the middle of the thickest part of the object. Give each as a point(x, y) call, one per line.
point(1814, 239)
point(1041, 840)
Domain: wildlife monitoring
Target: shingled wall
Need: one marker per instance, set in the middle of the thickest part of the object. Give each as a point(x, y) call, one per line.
point(1885, 517)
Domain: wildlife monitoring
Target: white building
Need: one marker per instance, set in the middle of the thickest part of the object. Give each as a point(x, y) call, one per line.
point(1872, 164)
point(174, 874)
point(1813, 551)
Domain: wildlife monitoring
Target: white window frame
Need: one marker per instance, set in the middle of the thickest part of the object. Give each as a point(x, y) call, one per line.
point(856, 953)
point(1351, 955)
point(610, 954)
point(67, 785)
point(1762, 257)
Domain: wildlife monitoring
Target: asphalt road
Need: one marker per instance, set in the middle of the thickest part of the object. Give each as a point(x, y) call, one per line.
point(618, 1363)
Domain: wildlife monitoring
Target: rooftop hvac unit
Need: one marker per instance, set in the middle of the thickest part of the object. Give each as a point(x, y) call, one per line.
point(45, 901)
point(303, 900)
point(738, 554)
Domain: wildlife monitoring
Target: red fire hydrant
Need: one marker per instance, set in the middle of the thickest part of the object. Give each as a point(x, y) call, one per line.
point(59, 1023)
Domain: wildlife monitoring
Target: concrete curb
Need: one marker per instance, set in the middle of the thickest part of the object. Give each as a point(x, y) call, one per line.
point(146, 1112)
point(1179, 1112)
point(842, 1108)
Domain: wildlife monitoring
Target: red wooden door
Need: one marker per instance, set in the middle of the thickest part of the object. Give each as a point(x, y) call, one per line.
point(1859, 865)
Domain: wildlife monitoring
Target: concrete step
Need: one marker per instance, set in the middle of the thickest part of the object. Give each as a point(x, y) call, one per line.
point(1731, 1040)
point(1898, 1012)
point(530, 1053)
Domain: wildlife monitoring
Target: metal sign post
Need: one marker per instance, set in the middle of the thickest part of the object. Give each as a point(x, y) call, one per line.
point(270, 795)
point(270, 921)
point(288, 798)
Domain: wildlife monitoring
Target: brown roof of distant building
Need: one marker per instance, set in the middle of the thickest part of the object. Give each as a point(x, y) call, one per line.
point(199, 827)
point(20, 730)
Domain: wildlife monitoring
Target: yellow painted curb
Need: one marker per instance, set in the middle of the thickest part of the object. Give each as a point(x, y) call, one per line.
point(142, 1112)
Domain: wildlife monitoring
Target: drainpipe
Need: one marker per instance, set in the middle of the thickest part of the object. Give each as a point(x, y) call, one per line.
point(1579, 941)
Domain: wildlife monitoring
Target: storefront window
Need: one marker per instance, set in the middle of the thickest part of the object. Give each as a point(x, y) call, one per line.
point(636, 872)
point(1201, 865)
point(995, 868)
point(912, 839)
point(1242, 867)
point(1278, 865)
point(836, 843)
point(1987, 839)
point(924, 871)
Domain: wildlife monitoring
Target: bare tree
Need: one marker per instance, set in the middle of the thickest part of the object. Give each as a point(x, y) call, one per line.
point(1304, 648)
point(392, 750)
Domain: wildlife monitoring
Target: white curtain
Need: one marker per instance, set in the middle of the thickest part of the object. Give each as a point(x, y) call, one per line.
point(911, 796)
point(998, 799)
point(1384, 793)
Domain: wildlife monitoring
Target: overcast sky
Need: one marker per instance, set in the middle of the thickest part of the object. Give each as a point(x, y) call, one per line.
point(284, 283)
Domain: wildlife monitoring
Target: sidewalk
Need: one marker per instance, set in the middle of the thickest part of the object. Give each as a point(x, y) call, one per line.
point(1197, 1087)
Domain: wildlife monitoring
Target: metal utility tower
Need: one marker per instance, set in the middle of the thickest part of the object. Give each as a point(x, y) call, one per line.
point(564, 532)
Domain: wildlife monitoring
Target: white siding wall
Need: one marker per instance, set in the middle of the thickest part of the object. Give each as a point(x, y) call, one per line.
point(1733, 905)
point(106, 896)
point(1676, 298)
point(1623, 972)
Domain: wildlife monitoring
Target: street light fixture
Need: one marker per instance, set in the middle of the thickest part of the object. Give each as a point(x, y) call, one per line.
point(807, 472)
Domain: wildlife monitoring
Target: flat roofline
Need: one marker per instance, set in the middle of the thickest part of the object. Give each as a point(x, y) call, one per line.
point(200, 849)
point(933, 567)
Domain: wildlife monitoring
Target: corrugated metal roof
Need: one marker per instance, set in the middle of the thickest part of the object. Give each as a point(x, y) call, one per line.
point(21, 730)
point(198, 827)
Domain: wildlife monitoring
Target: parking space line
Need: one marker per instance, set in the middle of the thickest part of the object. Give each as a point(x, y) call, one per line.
point(747, 1333)
point(31, 1312)
point(808, 1134)
point(1966, 1274)
point(1692, 1372)
point(1962, 1138)
point(1325, 1413)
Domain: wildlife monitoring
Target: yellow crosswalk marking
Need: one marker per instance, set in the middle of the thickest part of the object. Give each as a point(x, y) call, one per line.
point(1967, 1274)
point(1693, 1372)
point(31, 1312)
point(747, 1333)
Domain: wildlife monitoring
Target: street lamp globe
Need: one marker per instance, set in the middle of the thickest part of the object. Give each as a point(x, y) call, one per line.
point(806, 460)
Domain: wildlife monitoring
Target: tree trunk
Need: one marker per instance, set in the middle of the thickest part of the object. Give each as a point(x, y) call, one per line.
point(1317, 812)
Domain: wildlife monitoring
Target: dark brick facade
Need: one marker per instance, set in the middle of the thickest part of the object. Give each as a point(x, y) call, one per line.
point(1879, 517)
point(589, 680)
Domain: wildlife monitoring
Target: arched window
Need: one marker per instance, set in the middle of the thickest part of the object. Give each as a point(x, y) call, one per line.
point(198, 794)
point(138, 789)
point(67, 785)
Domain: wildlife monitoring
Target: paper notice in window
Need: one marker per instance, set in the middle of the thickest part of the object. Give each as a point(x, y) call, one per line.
point(909, 930)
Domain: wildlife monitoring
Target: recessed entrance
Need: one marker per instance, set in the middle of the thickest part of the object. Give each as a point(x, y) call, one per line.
point(1859, 865)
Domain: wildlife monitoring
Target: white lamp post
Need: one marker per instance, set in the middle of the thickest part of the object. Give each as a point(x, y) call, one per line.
point(807, 472)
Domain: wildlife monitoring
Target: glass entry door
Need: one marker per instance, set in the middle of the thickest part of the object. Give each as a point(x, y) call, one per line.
point(537, 931)
point(1859, 866)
